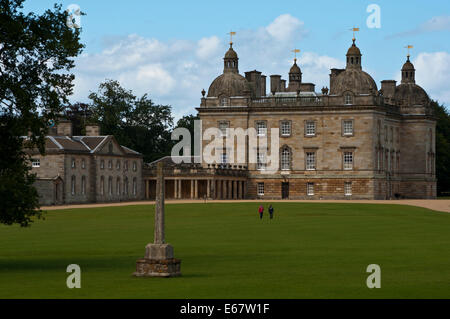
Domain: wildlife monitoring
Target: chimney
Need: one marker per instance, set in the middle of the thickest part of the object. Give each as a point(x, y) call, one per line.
point(388, 88)
point(92, 130)
point(334, 73)
point(307, 87)
point(283, 86)
point(64, 128)
point(254, 77)
point(275, 83)
point(263, 85)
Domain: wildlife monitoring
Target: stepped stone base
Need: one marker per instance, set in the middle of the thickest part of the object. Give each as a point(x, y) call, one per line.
point(158, 262)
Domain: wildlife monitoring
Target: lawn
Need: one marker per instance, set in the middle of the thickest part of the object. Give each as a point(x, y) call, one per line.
point(309, 250)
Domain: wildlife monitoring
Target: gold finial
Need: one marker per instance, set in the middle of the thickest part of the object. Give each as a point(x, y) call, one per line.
point(354, 30)
point(409, 46)
point(231, 33)
point(295, 54)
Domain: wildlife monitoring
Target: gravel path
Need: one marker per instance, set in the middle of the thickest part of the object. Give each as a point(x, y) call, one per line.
point(442, 205)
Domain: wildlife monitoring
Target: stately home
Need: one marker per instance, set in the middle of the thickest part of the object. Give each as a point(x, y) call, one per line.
point(351, 140)
point(86, 169)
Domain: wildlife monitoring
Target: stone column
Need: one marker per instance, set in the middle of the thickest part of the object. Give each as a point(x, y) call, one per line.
point(192, 188)
point(219, 189)
point(175, 188)
point(238, 189)
point(208, 188)
point(230, 189)
point(159, 260)
point(235, 190)
point(225, 191)
point(196, 188)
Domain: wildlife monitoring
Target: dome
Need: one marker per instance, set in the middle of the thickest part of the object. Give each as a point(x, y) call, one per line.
point(353, 50)
point(354, 80)
point(408, 66)
point(229, 84)
point(295, 69)
point(411, 94)
point(231, 54)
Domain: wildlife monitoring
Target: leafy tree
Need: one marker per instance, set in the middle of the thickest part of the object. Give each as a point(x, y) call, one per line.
point(137, 123)
point(79, 114)
point(442, 148)
point(36, 55)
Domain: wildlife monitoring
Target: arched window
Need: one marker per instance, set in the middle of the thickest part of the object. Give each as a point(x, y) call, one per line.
point(118, 186)
point(357, 60)
point(110, 191)
point(352, 60)
point(125, 186)
point(134, 186)
point(72, 184)
point(83, 185)
point(102, 185)
point(285, 158)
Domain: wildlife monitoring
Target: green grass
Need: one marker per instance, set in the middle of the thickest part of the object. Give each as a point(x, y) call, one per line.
point(307, 251)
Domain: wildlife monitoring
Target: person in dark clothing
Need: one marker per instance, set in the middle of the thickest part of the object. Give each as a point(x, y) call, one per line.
point(271, 211)
point(261, 211)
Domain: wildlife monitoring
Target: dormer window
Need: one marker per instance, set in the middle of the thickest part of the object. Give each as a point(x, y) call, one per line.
point(348, 99)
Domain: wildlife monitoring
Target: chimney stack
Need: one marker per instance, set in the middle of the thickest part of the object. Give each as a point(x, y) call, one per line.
point(64, 128)
point(92, 130)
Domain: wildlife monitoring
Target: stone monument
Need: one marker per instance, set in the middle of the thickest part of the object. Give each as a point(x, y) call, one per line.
point(158, 260)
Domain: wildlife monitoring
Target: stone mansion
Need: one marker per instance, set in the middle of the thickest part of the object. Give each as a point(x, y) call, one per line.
point(351, 140)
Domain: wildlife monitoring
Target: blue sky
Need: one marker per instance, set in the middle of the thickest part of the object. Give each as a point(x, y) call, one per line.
point(174, 49)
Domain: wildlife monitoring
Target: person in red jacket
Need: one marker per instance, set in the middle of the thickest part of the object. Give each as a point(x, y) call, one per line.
point(261, 211)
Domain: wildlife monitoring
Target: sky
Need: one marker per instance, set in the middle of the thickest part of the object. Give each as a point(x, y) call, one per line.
point(171, 50)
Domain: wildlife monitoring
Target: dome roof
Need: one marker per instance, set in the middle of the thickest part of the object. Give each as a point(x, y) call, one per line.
point(354, 80)
point(408, 66)
point(295, 69)
point(353, 50)
point(231, 54)
point(411, 94)
point(229, 84)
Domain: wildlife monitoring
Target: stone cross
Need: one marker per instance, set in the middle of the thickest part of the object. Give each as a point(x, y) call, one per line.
point(158, 260)
point(159, 206)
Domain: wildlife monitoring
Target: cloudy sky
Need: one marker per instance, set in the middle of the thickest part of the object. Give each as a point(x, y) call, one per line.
point(174, 49)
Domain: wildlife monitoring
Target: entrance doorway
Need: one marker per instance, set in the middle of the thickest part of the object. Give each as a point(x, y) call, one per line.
point(284, 190)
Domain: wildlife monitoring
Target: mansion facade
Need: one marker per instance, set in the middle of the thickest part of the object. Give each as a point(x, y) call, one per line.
point(85, 169)
point(351, 140)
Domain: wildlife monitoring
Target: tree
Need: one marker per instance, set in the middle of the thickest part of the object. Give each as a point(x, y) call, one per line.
point(136, 123)
point(36, 55)
point(442, 148)
point(79, 114)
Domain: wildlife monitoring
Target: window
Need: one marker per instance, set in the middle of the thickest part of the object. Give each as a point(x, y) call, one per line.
point(83, 163)
point(134, 166)
point(310, 161)
point(125, 186)
point(260, 189)
point(223, 127)
point(261, 161)
point(310, 128)
point(348, 160)
point(285, 159)
point(310, 189)
point(224, 101)
point(347, 188)
point(110, 164)
point(348, 99)
point(102, 185)
point(102, 164)
point(36, 162)
point(118, 165)
point(110, 191)
point(385, 133)
point(392, 134)
point(73, 163)
point(261, 128)
point(347, 127)
point(83, 185)
point(125, 166)
point(285, 128)
point(72, 185)
point(134, 186)
point(118, 186)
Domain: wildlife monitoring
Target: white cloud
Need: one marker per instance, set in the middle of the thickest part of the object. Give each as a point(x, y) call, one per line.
point(174, 72)
point(439, 23)
point(433, 74)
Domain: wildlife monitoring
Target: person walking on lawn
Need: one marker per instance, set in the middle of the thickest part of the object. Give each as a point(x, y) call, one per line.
point(261, 211)
point(271, 211)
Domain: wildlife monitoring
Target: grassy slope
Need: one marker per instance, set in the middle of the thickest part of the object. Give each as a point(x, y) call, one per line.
point(307, 251)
